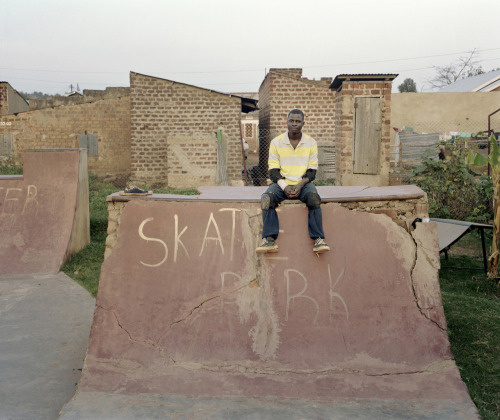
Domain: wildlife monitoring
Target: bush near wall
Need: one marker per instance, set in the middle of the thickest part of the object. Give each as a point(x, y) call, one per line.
point(453, 189)
point(9, 166)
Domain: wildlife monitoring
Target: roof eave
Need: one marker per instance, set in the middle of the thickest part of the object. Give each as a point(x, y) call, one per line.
point(341, 78)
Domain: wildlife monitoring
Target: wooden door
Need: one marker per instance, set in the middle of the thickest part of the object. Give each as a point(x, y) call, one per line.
point(367, 135)
point(6, 144)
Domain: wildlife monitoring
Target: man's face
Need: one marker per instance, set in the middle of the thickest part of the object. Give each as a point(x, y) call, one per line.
point(295, 123)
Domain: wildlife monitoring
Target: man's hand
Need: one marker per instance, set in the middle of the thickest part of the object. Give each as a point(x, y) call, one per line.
point(293, 191)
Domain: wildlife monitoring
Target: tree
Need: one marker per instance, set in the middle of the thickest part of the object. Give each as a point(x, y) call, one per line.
point(465, 66)
point(407, 86)
point(493, 159)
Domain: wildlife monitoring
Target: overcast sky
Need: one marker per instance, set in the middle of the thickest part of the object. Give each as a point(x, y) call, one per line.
point(227, 45)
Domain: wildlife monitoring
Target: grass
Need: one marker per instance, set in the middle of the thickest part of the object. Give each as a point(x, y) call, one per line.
point(471, 302)
point(472, 307)
point(9, 166)
point(85, 267)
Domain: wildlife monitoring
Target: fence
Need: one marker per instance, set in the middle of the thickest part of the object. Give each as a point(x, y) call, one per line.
point(410, 146)
point(256, 162)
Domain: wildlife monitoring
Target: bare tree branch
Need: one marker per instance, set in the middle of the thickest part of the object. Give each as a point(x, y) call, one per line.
point(465, 66)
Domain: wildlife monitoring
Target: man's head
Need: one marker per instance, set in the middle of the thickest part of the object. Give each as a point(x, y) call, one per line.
point(295, 121)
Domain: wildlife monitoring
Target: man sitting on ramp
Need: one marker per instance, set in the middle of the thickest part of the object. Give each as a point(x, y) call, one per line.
point(293, 162)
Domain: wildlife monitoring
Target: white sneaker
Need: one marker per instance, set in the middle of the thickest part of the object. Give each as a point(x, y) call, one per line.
point(320, 246)
point(267, 245)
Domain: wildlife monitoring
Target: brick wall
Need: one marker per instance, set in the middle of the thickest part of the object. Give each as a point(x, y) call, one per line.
point(192, 160)
point(11, 101)
point(344, 116)
point(89, 95)
point(4, 106)
point(285, 89)
point(59, 128)
point(171, 120)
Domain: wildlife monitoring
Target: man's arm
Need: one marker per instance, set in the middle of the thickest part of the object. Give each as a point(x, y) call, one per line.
point(275, 175)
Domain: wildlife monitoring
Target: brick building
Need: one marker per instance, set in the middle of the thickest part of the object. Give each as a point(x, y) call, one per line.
point(163, 132)
point(283, 90)
point(169, 128)
point(362, 128)
point(102, 126)
point(345, 145)
point(11, 101)
point(75, 98)
point(173, 133)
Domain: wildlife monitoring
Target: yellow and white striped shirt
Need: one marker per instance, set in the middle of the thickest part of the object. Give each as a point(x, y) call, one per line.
point(293, 163)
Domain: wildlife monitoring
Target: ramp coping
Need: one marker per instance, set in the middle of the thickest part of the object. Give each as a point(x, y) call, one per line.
point(253, 194)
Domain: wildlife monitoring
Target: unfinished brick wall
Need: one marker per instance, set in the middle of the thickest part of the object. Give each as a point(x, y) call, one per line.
point(89, 95)
point(344, 133)
point(171, 121)
point(4, 106)
point(59, 128)
point(285, 89)
point(11, 101)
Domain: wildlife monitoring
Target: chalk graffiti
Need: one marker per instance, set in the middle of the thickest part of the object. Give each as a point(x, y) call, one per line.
point(301, 295)
point(223, 284)
point(15, 202)
point(217, 238)
point(146, 238)
point(212, 235)
point(296, 283)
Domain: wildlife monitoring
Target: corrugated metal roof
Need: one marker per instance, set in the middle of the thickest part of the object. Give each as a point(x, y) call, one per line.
point(479, 83)
point(360, 78)
point(491, 86)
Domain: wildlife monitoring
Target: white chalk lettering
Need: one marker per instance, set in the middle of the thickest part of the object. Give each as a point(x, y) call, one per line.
point(9, 199)
point(233, 233)
point(141, 234)
point(177, 238)
point(335, 294)
point(31, 198)
point(223, 282)
point(291, 298)
point(217, 238)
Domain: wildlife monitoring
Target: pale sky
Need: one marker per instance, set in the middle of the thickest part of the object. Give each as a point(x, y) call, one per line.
point(227, 45)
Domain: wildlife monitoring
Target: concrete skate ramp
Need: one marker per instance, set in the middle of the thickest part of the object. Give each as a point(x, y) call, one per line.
point(189, 316)
point(44, 214)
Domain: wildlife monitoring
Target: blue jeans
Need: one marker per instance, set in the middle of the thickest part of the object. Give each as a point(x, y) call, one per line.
point(270, 217)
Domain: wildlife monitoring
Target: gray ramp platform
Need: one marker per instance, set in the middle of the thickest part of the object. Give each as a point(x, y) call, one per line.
point(451, 231)
point(44, 328)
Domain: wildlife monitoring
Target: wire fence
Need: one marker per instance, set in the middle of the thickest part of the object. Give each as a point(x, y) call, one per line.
point(433, 140)
point(256, 161)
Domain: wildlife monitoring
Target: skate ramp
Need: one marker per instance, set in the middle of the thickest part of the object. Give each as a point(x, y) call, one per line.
point(44, 214)
point(190, 321)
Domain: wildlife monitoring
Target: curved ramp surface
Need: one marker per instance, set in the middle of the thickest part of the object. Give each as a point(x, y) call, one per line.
point(188, 316)
point(44, 214)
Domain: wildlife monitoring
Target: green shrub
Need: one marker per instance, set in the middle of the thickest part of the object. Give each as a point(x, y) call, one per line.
point(10, 166)
point(453, 189)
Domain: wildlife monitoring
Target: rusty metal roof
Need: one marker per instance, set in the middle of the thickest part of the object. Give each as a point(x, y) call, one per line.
point(339, 79)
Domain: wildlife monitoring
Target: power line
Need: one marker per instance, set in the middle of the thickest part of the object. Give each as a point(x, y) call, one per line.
point(256, 70)
point(401, 59)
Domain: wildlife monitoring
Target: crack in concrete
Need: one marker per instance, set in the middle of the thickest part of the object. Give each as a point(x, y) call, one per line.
point(270, 371)
point(134, 340)
point(199, 306)
point(420, 308)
